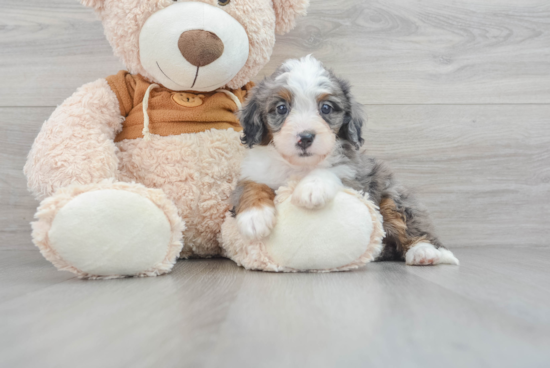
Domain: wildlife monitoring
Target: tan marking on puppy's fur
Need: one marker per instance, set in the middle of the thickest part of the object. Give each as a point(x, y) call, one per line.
point(268, 137)
point(255, 196)
point(395, 224)
point(323, 97)
point(285, 94)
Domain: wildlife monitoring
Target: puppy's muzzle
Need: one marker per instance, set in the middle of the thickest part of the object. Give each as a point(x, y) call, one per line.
point(305, 140)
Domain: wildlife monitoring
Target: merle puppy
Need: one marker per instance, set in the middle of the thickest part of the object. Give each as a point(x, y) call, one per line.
point(302, 122)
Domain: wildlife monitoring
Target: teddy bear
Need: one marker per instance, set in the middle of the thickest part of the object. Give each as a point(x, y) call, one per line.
point(135, 170)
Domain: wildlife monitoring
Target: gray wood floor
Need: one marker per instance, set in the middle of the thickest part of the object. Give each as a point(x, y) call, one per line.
point(492, 311)
point(458, 99)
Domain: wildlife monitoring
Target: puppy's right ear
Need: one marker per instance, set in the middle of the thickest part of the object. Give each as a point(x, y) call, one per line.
point(95, 4)
point(252, 121)
point(353, 124)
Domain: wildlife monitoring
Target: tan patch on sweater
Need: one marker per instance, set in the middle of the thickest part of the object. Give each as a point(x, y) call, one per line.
point(187, 99)
point(395, 224)
point(255, 195)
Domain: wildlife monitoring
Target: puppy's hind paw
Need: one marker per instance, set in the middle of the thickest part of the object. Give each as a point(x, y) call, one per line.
point(257, 222)
point(425, 254)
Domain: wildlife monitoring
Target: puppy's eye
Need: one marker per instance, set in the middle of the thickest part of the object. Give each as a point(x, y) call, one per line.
point(282, 109)
point(326, 109)
point(224, 2)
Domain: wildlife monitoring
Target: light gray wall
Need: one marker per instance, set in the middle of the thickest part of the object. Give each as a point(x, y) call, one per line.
point(457, 94)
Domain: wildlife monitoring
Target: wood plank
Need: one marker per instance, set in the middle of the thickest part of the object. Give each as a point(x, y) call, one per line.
point(429, 51)
point(169, 321)
point(18, 129)
point(25, 272)
point(210, 313)
point(376, 317)
point(514, 280)
point(482, 171)
point(48, 49)
point(396, 51)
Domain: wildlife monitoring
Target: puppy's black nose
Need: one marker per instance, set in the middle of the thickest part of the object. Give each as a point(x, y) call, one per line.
point(306, 140)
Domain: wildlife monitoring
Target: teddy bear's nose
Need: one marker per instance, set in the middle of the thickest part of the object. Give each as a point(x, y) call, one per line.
point(200, 48)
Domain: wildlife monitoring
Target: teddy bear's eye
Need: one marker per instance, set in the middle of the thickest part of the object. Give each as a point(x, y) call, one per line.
point(224, 2)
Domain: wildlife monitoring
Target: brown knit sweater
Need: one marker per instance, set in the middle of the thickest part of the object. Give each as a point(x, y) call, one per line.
point(170, 112)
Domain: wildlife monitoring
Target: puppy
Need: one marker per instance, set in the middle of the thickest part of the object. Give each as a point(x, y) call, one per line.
point(303, 123)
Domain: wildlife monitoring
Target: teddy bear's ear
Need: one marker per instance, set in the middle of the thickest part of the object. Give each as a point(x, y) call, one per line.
point(286, 12)
point(96, 4)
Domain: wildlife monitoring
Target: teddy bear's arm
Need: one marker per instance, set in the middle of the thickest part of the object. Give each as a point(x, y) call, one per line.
point(76, 144)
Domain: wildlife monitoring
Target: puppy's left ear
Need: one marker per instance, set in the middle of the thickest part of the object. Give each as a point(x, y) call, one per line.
point(351, 130)
point(286, 12)
point(252, 121)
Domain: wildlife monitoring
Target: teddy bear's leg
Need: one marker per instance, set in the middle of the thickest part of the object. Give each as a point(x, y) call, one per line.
point(109, 230)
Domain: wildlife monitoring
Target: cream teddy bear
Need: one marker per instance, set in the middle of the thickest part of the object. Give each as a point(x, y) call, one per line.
point(136, 169)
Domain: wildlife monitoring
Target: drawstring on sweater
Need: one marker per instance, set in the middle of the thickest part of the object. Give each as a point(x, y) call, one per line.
point(232, 96)
point(147, 134)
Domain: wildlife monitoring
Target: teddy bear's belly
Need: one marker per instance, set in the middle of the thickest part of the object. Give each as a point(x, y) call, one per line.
point(197, 171)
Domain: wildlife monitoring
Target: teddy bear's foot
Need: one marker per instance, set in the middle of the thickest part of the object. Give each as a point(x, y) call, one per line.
point(109, 230)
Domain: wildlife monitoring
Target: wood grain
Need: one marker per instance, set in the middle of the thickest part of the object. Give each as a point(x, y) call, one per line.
point(429, 51)
point(18, 129)
point(396, 51)
point(210, 313)
point(482, 171)
point(494, 276)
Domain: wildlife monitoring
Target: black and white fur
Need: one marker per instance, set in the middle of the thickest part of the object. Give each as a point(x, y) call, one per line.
point(303, 122)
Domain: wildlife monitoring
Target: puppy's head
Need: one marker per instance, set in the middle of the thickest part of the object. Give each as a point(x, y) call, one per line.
point(303, 110)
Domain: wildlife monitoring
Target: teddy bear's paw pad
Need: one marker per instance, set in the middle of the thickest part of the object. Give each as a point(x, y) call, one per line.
point(111, 232)
point(425, 254)
point(321, 240)
point(256, 223)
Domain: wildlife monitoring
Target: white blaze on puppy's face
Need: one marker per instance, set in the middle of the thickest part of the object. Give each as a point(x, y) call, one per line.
point(307, 81)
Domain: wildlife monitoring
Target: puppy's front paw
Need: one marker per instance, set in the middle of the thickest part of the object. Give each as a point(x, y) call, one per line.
point(257, 222)
point(312, 194)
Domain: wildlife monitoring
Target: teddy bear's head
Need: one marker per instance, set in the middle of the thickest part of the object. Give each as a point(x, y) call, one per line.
point(196, 45)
